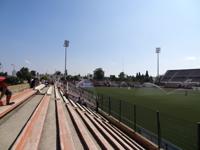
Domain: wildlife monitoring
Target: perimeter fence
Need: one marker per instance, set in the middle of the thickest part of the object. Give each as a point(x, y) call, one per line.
point(166, 131)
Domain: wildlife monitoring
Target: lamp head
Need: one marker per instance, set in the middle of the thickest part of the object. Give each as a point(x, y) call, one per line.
point(158, 50)
point(66, 43)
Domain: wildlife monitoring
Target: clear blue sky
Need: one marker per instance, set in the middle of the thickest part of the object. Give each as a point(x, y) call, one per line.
point(113, 34)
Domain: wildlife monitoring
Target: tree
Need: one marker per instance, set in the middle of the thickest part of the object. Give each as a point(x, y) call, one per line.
point(138, 77)
point(11, 80)
point(143, 77)
point(112, 77)
point(58, 73)
point(33, 73)
point(44, 77)
point(24, 74)
point(5, 74)
point(146, 78)
point(89, 76)
point(147, 74)
point(133, 78)
point(121, 76)
point(129, 78)
point(150, 79)
point(98, 74)
point(77, 77)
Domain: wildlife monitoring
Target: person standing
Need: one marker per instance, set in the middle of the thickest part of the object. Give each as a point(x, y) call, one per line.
point(5, 91)
point(32, 83)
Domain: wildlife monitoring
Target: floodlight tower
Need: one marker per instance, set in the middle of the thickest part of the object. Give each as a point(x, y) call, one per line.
point(66, 44)
point(158, 50)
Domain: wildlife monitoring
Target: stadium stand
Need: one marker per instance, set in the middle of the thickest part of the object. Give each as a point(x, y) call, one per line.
point(185, 78)
point(77, 126)
point(95, 131)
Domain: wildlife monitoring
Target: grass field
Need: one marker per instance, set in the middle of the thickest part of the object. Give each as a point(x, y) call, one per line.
point(179, 112)
point(18, 87)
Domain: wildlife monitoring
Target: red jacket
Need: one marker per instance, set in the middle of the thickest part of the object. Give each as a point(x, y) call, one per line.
point(2, 79)
point(2, 82)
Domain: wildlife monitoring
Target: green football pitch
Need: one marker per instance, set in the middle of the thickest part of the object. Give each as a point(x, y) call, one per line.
point(179, 111)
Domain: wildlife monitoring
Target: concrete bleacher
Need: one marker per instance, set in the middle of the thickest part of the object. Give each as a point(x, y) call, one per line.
point(86, 139)
point(23, 121)
point(181, 78)
point(18, 99)
point(30, 136)
point(39, 87)
point(64, 129)
point(77, 126)
point(106, 135)
point(49, 91)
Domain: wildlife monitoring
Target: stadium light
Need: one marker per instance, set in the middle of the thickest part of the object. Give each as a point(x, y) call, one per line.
point(158, 50)
point(66, 44)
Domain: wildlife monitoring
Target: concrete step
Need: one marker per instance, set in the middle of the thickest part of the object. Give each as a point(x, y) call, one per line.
point(124, 136)
point(50, 90)
point(66, 141)
point(15, 96)
point(103, 143)
point(114, 135)
point(64, 98)
point(99, 116)
point(99, 127)
point(145, 143)
point(117, 134)
point(129, 141)
point(31, 134)
point(68, 123)
point(80, 107)
point(49, 134)
point(73, 103)
point(86, 139)
point(110, 139)
point(88, 111)
point(39, 87)
point(18, 100)
point(57, 94)
point(13, 123)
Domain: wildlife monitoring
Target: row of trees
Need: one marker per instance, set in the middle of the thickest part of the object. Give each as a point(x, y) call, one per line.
point(22, 75)
point(99, 74)
point(25, 74)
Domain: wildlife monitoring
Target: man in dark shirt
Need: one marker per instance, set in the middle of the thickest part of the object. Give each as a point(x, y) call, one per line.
point(5, 91)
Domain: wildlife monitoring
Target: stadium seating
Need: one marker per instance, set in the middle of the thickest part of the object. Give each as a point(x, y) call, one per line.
point(181, 78)
point(95, 131)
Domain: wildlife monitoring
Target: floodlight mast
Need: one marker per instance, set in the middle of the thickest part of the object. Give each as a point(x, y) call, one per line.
point(66, 44)
point(158, 50)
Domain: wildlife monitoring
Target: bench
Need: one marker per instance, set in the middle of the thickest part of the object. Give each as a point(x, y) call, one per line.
point(31, 134)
